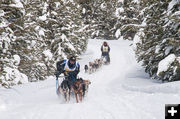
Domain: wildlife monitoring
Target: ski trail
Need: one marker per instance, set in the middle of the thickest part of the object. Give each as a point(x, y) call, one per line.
point(120, 90)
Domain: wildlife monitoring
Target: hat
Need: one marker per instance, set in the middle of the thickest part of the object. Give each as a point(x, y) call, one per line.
point(72, 58)
point(105, 43)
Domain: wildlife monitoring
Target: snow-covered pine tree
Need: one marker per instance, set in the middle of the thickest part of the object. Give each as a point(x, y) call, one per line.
point(69, 36)
point(159, 48)
point(33, 64)
point(35, 34)
point(11, 26)
point(127, 24)
point(53, 32)
point(99, 15)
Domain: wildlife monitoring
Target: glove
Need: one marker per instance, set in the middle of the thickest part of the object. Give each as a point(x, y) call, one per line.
point(57, 73)
point(65, 73)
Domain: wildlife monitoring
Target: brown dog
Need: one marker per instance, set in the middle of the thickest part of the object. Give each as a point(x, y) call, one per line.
point(85, 87)
point(78, 89)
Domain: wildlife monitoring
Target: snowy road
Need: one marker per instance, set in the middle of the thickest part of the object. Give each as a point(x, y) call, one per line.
point(120, 90)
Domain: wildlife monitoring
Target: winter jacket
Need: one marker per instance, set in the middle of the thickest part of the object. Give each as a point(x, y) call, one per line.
point(105, 50)
point(69, 70)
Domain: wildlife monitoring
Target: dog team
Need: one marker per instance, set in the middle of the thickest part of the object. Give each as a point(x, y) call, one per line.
point(79, 89)
point(71, 84)
point(97, 63)
point(93, 66)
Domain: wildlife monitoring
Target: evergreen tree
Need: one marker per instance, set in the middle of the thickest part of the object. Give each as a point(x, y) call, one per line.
point(127, 13)
point(160, 41)
point(99, 15)
point(36, 35)
point(11, 24)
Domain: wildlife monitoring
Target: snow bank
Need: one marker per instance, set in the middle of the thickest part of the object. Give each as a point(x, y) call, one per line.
point(165, 63)
point(2, 105)
point(13, 77)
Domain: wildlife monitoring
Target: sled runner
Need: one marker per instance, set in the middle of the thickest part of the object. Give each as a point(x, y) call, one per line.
point(106, 59)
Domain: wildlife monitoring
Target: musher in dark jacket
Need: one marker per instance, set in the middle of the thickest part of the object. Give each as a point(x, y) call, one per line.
point(105, 49)
point(70, 67)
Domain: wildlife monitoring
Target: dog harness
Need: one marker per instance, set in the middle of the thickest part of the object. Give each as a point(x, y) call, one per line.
point(66, 67)
point(105, 48)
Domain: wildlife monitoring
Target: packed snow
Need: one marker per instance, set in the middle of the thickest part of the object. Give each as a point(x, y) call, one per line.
point(120, 90)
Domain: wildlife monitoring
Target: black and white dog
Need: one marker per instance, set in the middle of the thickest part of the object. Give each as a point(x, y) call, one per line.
point(86, 68)
point(64, 90)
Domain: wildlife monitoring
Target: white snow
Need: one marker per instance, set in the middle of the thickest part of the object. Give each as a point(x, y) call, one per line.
point(45, 8)
point(157, 48)
point(48, 54)
point(3, 23)
point(16, 75)
point(2, 13)
point(178, 59)
point(16, 59)
point(118, 11)
point(168, 49)
point(63, 37)
point(57, 4)
point(122, 1)
point(41, 32)
point(103, 6)
point(84, 11)
point(118, 33)
point(137, 39)
point(17, 4)
point(136, 1)
point(33, 43)
point(121, 90)
point(54, 13)
point(165, 63)
point(171, 5)
point(121, 38)
point(43, 18)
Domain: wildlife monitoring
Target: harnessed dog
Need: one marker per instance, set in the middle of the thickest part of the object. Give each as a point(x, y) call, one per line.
point(78, 89)
point(85, 87)
point(86, 68)
point(64, 89)
point(91, 67)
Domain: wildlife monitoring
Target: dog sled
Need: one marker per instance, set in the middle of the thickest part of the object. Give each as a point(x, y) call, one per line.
point(106, 59)
point(67, 90)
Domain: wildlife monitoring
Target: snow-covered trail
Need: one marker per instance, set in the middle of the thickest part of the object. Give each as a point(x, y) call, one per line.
point(120, 90)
